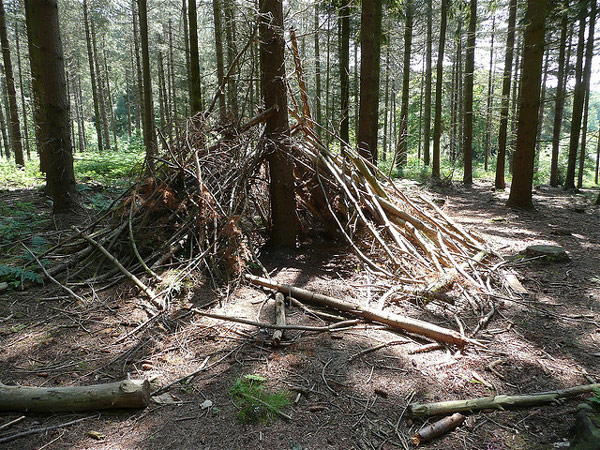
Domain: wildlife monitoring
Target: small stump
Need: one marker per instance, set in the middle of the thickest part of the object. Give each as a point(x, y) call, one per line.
point(550, 253)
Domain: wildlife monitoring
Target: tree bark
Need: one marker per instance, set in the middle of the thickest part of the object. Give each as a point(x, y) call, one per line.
point(12, 92)
point(500, 182)
point(469, 73)
point(540, 129)
point(488, 132)
point(47, 68)
point(437, 121)
point(582, 152)
point(218, 21)
point(520, 192)
point(277, 130)
point(88, 39)
point(195, 100)
point(121, 394)
point(559, 101)
point(427, 102)
point(582, 80)
point(403, 133)
point(317, 44)
point(149, 133)
point(344, 17)
point(101, 88)
point(232, 94)
point(371, 16)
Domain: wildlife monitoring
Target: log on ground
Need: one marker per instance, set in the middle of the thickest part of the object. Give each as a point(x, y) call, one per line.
point(121, 394)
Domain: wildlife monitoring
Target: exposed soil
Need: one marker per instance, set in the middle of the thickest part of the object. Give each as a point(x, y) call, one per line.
point(548, 339)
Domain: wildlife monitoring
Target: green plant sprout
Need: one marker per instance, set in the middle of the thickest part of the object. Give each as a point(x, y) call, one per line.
point(256, 404)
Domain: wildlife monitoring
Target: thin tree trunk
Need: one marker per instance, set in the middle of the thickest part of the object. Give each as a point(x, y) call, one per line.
point(82, 137)
point(149, 134)
point(110, 102)
point(344, 47)
point(47, 68)
point(469, 73)
point(186, 44)
point(231, 53)
point(582, 153)
point(195, 95)
point(427, 112)
point(597, 159)
point(356, 93)
point(460, 94)
point(437, 121)
point(454, 105)
point(559, 101)
point(421, 112)
point(88, 39)
point(516, 95)
point(128, 96)
point(277, 131)
point(161, 93)
point(403, 149)
point(317, 73)
point(581, 85)
point(488, 133)
point(538, 140)
point(5, 141)
point(217, 17)
point(533, 40)
point(22, 88)
point(101, 89)
point(371, 16)
point(172, 87)
point(12, 92)
point(386, 104)
point(327, 77)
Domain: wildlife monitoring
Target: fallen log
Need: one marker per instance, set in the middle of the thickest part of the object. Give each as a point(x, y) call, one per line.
point(436, 429)
point(393, 320)
point(279, 319)
point(497, 402)
point(121, 394)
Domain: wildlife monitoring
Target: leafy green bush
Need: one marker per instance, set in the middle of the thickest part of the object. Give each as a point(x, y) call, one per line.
point(255, 404)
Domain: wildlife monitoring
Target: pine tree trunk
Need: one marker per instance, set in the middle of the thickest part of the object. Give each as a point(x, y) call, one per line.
point(5, 141)
point(582, 80)
point(277, 130)
point(422, 86)
point(403, 133)
point(460, 95)
point(427, 112)
point(101, 88)
point(231, 53)
point(437, 121)
point(533, 53)
point(186, 44)
point(195, 100)
point(538, 140)
point(386, 104)
point(559, 101)
point(128, 97)
point(88, 38)
point(149, 134)
point(371, 16)
point(46, 57)
point(172, 88)
point(356, 93)
point(582, 153)
point(488, 132)
point(469, 73)
point(317, 44)
point(22, 86)
point(344, 47)
point(516, 96)
point(109, 97)
point(82, 135)
point(454, 105)
point(217, 17)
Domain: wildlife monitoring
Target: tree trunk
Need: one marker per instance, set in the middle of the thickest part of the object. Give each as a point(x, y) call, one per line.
point(277, 130)
point(149, 134)
point(437, 121)
point(231, 53)
point(582, 153)
point(386, 104)
point(5, 141)
point(516, 95)
point(12, 92)
point(186, 44)
point(538, 139)
point(488, 132)
point(138, 67)
point(520, 192)
point(88, 39)
point(469, 73)
point(109, 97)
point(121, 394)
point(22, 86)
point(217, 17)
point(318, 116)
point(47, 68)
point(344, 46)
point(422, 86)
point(582, 80)
point(101, 88)
point(371, 16)
point(559, 101)
point(427, 112)
point(195, 95)
point(506, 79)
point(172, 88)
point(403, 133)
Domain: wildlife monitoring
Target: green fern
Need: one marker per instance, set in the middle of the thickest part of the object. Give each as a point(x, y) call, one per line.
point(14, 275)
point(256, 404)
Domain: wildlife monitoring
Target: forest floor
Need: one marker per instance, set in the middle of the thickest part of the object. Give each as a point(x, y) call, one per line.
point(341, 399)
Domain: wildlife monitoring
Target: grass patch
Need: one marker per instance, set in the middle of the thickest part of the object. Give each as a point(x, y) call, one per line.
point(254, 402)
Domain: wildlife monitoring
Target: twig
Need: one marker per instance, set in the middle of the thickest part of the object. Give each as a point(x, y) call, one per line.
point(43, 429)
point(12, 422)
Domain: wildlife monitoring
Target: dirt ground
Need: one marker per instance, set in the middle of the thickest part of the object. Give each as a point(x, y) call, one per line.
point(342, 399)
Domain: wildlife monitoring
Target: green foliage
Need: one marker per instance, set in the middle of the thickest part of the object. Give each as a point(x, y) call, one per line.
point(18, 220)
point(595, 400)
point(12, 176)
point(256, 404)
point(109, 167)
point(14, 275)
